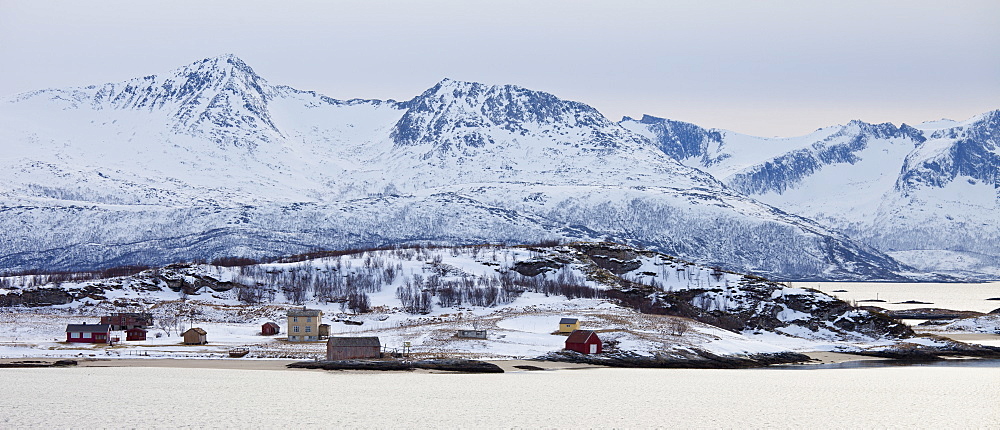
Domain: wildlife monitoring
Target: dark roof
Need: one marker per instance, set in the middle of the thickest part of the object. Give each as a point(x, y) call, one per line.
point(136, 329)
point(304, 312)
point(133, 314)
point(581, 336)
point(88, 328)
point(272, 323)
point(568, 321)
point(355, 341)
point(198, 330)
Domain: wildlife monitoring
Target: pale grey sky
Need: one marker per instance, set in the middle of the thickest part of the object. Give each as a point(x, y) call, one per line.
point(759, 67)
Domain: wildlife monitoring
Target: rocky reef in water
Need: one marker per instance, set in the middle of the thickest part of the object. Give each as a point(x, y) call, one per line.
point(688, 359)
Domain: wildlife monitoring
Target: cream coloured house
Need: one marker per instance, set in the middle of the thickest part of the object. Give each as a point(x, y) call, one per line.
point(303, 324)
point(567, 325)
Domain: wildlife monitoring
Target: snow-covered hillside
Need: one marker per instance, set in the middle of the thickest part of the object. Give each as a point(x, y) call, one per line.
point(900, 189)
point(211, 160)
point(643, 303)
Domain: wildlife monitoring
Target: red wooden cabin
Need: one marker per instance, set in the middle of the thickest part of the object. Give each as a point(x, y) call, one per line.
point(135, 334)
point(88, 333)
point(270, 328)
point(585, 342)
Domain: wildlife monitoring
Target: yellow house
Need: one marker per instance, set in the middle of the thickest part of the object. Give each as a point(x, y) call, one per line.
point(567, 325)
point(303, 324)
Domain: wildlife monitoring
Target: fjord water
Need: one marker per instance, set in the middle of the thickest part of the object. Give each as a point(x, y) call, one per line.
point(911, 396)
point(897, 296)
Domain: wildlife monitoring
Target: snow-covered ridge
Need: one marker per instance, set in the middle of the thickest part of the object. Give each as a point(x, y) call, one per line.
point(449, 113)
point(210, 160)
point(895, 188)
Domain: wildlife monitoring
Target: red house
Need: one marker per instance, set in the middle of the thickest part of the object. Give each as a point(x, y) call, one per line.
point(127, 320)
point(270, 328)
point(88, 333)
point(135, 334)
point(585, 342)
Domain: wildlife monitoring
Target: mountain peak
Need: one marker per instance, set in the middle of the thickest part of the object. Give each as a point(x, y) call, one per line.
point(231, 61)
point(216, 95)
point(991, 117)
point(887, 130)
point(451, 88)
point(226, 57)
point(454, 114)
point(219, 69)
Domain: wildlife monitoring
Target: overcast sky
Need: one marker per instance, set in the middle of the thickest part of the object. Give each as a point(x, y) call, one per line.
point(759, 67)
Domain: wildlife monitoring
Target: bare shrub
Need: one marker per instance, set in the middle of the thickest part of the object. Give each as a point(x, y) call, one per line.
point(677, 326)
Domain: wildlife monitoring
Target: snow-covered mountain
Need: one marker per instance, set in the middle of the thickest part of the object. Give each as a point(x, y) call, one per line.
point(211, 160)
point(924, 194)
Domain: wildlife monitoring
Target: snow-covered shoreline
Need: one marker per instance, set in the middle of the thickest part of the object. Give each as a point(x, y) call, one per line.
point(222, 363)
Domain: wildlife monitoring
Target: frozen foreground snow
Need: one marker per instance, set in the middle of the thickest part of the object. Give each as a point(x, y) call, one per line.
point(423, 296)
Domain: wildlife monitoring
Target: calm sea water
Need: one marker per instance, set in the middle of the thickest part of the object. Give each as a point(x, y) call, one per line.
point(964, 297)
point(923, 397)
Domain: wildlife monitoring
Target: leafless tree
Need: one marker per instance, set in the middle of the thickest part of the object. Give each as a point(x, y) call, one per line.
point(169, 323)
point(677, 326)
point(359, 302)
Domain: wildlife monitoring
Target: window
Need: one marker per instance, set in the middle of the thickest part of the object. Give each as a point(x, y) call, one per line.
point(295, 329)
point(295, 319)
point(309, 328)
point(309, 319)
point(76, 335)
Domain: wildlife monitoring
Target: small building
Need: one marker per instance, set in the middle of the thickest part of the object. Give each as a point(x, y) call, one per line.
point(324, 331)
point(472, 334)
point(127, 320)
point(585, 342)
point(135, 334)
point(88, 333)
point(347, 348)
point(567, 325)
point(270, 329)
point(303, 324)
point(195, 336)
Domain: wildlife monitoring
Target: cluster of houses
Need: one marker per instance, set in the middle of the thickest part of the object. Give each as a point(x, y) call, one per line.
point(134, 324)
point(347, 348)
point(582, 341)
point(304, 325)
